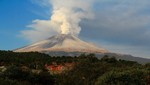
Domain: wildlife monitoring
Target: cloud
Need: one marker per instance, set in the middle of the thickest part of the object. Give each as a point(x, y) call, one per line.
point(40, 29)
point(117, 24)
point(121, 20)
point(123, 23)
point(65, 19)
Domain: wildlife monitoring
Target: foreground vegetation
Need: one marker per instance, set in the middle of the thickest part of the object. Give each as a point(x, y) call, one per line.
point(29, 69)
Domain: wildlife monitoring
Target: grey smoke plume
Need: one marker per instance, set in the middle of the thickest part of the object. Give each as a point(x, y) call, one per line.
point(65, 19)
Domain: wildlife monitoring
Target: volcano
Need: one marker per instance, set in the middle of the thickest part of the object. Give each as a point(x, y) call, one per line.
point(62, 43)
point(70, 45)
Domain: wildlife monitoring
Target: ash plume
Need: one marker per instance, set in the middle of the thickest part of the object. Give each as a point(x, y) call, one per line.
point(65, 19)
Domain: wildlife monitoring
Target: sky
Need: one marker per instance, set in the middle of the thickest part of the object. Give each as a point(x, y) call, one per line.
point(121, 26)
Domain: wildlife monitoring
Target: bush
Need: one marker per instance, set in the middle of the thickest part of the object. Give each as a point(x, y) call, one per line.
point(128, 77)
point(7, 82)
point(14, 72)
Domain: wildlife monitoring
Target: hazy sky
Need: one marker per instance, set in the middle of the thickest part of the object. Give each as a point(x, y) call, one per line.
point(120, 26)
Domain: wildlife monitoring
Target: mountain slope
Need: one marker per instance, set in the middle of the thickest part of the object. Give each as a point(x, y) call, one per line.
point(69, 45)
point(62, 42)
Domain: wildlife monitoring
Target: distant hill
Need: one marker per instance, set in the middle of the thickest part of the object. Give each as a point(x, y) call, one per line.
point(100, 55)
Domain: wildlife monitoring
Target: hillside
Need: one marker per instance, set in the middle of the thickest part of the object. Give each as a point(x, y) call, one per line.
point(32, 68)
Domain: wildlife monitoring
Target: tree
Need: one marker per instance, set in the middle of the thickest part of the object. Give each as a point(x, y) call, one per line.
point(128, 77)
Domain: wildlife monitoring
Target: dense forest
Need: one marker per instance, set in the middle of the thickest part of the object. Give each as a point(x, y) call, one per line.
point(29, 68)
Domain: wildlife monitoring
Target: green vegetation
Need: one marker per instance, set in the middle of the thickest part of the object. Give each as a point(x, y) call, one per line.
point(29, 69)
